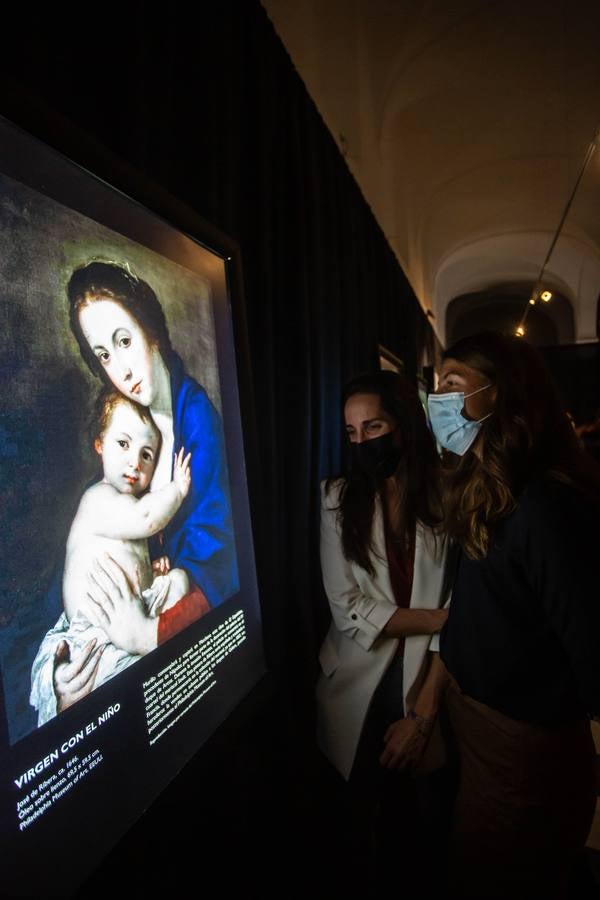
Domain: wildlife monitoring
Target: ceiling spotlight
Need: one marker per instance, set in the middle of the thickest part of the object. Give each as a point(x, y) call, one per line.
point(545, 296)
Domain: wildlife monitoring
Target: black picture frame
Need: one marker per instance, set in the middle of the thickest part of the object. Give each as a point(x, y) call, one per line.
point(146, 215)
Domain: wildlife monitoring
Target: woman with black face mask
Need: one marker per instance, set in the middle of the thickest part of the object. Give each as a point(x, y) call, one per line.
point(382, 558)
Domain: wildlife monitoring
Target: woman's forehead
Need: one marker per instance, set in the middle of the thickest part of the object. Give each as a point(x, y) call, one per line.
point(103, 317)
point(362, 407)
point(126, 419)
point(452, 366)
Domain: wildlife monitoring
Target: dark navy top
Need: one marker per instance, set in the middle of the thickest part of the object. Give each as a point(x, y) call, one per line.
point(523, 633)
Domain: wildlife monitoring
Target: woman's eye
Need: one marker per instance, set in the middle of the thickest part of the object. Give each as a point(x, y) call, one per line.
point(103, 356)
point(122, 444)
point(147, 457)
point(125, 342)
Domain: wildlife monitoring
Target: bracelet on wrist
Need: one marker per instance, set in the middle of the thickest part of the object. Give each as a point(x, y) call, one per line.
point(424, 725)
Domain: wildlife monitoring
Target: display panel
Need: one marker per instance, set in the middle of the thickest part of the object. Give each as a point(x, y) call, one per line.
point(129, 614)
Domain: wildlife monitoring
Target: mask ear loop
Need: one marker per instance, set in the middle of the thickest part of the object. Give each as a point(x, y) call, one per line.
point(478, 391)
point(472, 394)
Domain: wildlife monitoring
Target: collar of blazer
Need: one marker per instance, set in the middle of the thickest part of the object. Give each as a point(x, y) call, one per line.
point(429, 545)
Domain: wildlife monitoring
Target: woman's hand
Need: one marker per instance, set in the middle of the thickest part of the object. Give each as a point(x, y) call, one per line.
point(118, 609)
point(405, 742)
point(74, 679)
point(181, 473)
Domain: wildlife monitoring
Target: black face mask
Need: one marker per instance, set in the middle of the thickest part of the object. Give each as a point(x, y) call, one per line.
point(378, 457)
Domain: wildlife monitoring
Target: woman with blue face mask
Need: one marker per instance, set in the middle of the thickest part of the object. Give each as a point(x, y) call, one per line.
point(521, 643)
point(453, 426)
point(382, 559)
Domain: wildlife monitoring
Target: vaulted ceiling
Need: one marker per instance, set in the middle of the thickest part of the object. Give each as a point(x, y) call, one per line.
point(466, 124)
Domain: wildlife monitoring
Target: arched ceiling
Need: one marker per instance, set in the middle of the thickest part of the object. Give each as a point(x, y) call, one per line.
point(465, 125)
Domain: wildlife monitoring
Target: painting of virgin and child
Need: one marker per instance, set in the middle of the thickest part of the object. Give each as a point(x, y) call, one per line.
point(115, 466)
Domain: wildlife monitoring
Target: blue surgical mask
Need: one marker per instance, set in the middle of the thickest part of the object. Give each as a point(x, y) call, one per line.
point(452, 431)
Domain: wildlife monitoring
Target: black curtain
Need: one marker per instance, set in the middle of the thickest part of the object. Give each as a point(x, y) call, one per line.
point(204, 100)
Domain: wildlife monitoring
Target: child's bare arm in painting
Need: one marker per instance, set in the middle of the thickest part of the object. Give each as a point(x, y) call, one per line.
point(111, 514)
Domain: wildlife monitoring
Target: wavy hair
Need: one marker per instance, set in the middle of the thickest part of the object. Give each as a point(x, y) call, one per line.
point(528, 434)
point(417, 475)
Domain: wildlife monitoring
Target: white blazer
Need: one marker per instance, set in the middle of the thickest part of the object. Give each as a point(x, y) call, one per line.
point(355, 654)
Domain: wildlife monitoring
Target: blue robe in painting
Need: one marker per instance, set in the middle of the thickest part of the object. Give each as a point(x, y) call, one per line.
point(199, 538)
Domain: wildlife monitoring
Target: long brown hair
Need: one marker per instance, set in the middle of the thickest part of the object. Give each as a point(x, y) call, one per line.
point(417, 474)
point(528, 434)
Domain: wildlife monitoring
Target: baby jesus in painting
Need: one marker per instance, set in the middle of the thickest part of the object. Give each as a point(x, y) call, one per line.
point(114, 519)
